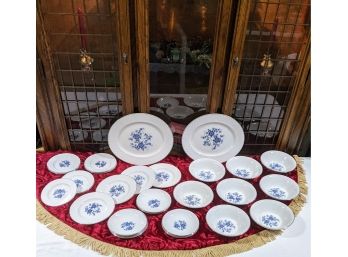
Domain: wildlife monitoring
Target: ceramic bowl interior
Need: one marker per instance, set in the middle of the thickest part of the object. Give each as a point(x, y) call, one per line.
point(244, 167)
point(153, 201)
point(278, 161)
point(236, 191)
point(228, 220)
point(193, 194)
point(279, 187)
point(207, 170)
point(271, 214)
point(180, 223)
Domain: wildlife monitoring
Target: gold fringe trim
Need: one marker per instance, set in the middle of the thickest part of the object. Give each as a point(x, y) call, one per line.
point(242, 245)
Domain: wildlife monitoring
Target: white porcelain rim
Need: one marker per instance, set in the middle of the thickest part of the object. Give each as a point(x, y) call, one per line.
point(283, 177)
point(210, 160)
point(281, 152)
point(240, 181)
point(81, 173)
point(89, 167)
point(176, 174)
point(52, 169)
point(155, 191)
point(71, 184)
point(232, 171)
point(150, 174)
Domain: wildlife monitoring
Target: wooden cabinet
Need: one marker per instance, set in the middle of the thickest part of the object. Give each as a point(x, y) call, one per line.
point(98, 60)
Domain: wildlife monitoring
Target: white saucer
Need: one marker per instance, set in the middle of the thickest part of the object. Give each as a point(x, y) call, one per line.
point(193, 194)
point(244, 167)
point(120, 187)
point(100, 135)
point(83, 180)
point(236, 191)
point(127, 223)
point(279, 187)
point(100, 163)
point(58, 192)
point(77, 135)
point(153, 201)
point(91, 208)
point(63, 163)
point(179, 111)
point(180, 223)
point(278, 161)
point(166, 175)
point(110, 110)
point(143, 176)
point(207, 170)
point(196, 101)
point(166, 102)
point(93, 123)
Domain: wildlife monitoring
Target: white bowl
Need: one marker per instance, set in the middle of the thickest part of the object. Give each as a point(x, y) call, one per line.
point(236, 191)
point(153, 201)
point(180, 223)
point(179, 112)
point(228, 220)
point(244, 167)
point(207, 170)
point(271, 214)
point(279, 187)
point(127, 223)
point(166, 175)
point(83, 180)
point(58, 192)
point(63, 163)
point(278, 161)
point(100, 163)
point(193, 194)
point(143, 176)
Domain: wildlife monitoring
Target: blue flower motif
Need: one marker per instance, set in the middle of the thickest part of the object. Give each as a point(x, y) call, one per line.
point(93, 208)
point(234, 197)
point(154, 203)
point(162, 176)
point(139, 179)
point(59, 193)
point(79, 183)
point(180, 224)
point(128, 225)
point(226, 226)
point(192, 200)
point(276, 166)
point(270, 220)
point(213, 138)
point(64, 164)
point(206, 174)
point(242, 173)
point(100, 164)
point(140, 140)
point(277, 192)
point(116, 190)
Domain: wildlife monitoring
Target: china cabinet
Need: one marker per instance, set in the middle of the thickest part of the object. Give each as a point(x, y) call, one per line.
point(100, 59)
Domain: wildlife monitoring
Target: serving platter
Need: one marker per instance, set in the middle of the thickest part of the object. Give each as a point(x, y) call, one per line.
point(215, 136)
point(140, 139)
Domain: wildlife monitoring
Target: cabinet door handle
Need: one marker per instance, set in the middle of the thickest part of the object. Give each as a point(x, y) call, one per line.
point(235, 60)
point(125, 57)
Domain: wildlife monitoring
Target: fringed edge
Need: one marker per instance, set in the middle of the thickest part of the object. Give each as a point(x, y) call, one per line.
point(242, 245)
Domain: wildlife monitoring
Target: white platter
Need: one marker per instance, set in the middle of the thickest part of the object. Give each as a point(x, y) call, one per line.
point(140, 139)
point(100, 163)
point(143, 176)
point(278, 161)
point(279, 187)
point(166, 175)
point(127, 223)
point(244, 167)
point(77, 135)
point(63, 163)
point(82, 179)
point(153, 201)
point(193, 194)
point(228, 220)
point(179, 112)
point(110, 110)
point(101, 135)
point(120, 187)
point(91, 208)
point(236, 191)
point(215, 136)
point(166, 102)
point(93, 123)
point(58, 192)
point(180, 223)
point(207, 170)
point(196, 101)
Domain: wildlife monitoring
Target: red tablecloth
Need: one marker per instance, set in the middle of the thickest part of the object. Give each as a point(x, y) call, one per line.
point(154, 238)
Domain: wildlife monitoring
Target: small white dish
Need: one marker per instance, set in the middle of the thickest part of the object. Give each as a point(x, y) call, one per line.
point(91, 208)
point(63, 163)
point(100, 135)
point(244, 167)
point(153, 201)
point(193, 194)
point(110, 110)
point(166, 102)
point(179, 112)
point(77, 135)
point(100, 163)
point(278, 161)
point(279, 187)
point(207, 170)
point(143, 176)
point(180, 223)
point(84, 116)
point(196, 101)
point(156, 109)
point(228, 220)
point(236, 191)
point(271, 214)
point(120, 187)
point(166, 175)
point(82, 179)
point(93, 123)
point(127, 223)
point(58, 192)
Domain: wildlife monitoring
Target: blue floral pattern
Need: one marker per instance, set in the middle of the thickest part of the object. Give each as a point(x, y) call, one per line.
point(226, 226)
point(100, 164)
point(277, 193)
point(206, 175)
point(192, 200)
point(234, 197)
point(243, 173)
point(64, 164)
point(213, 138)
point(139, 179)
point(140, 140)
point(93, 208)
point(59, 193)
point(270, 221)
point(79, 183)
point(180, 224)
point(116, 190)
point(154, 203)
point(276, 166)
point(128, 225)
point(162, 176)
